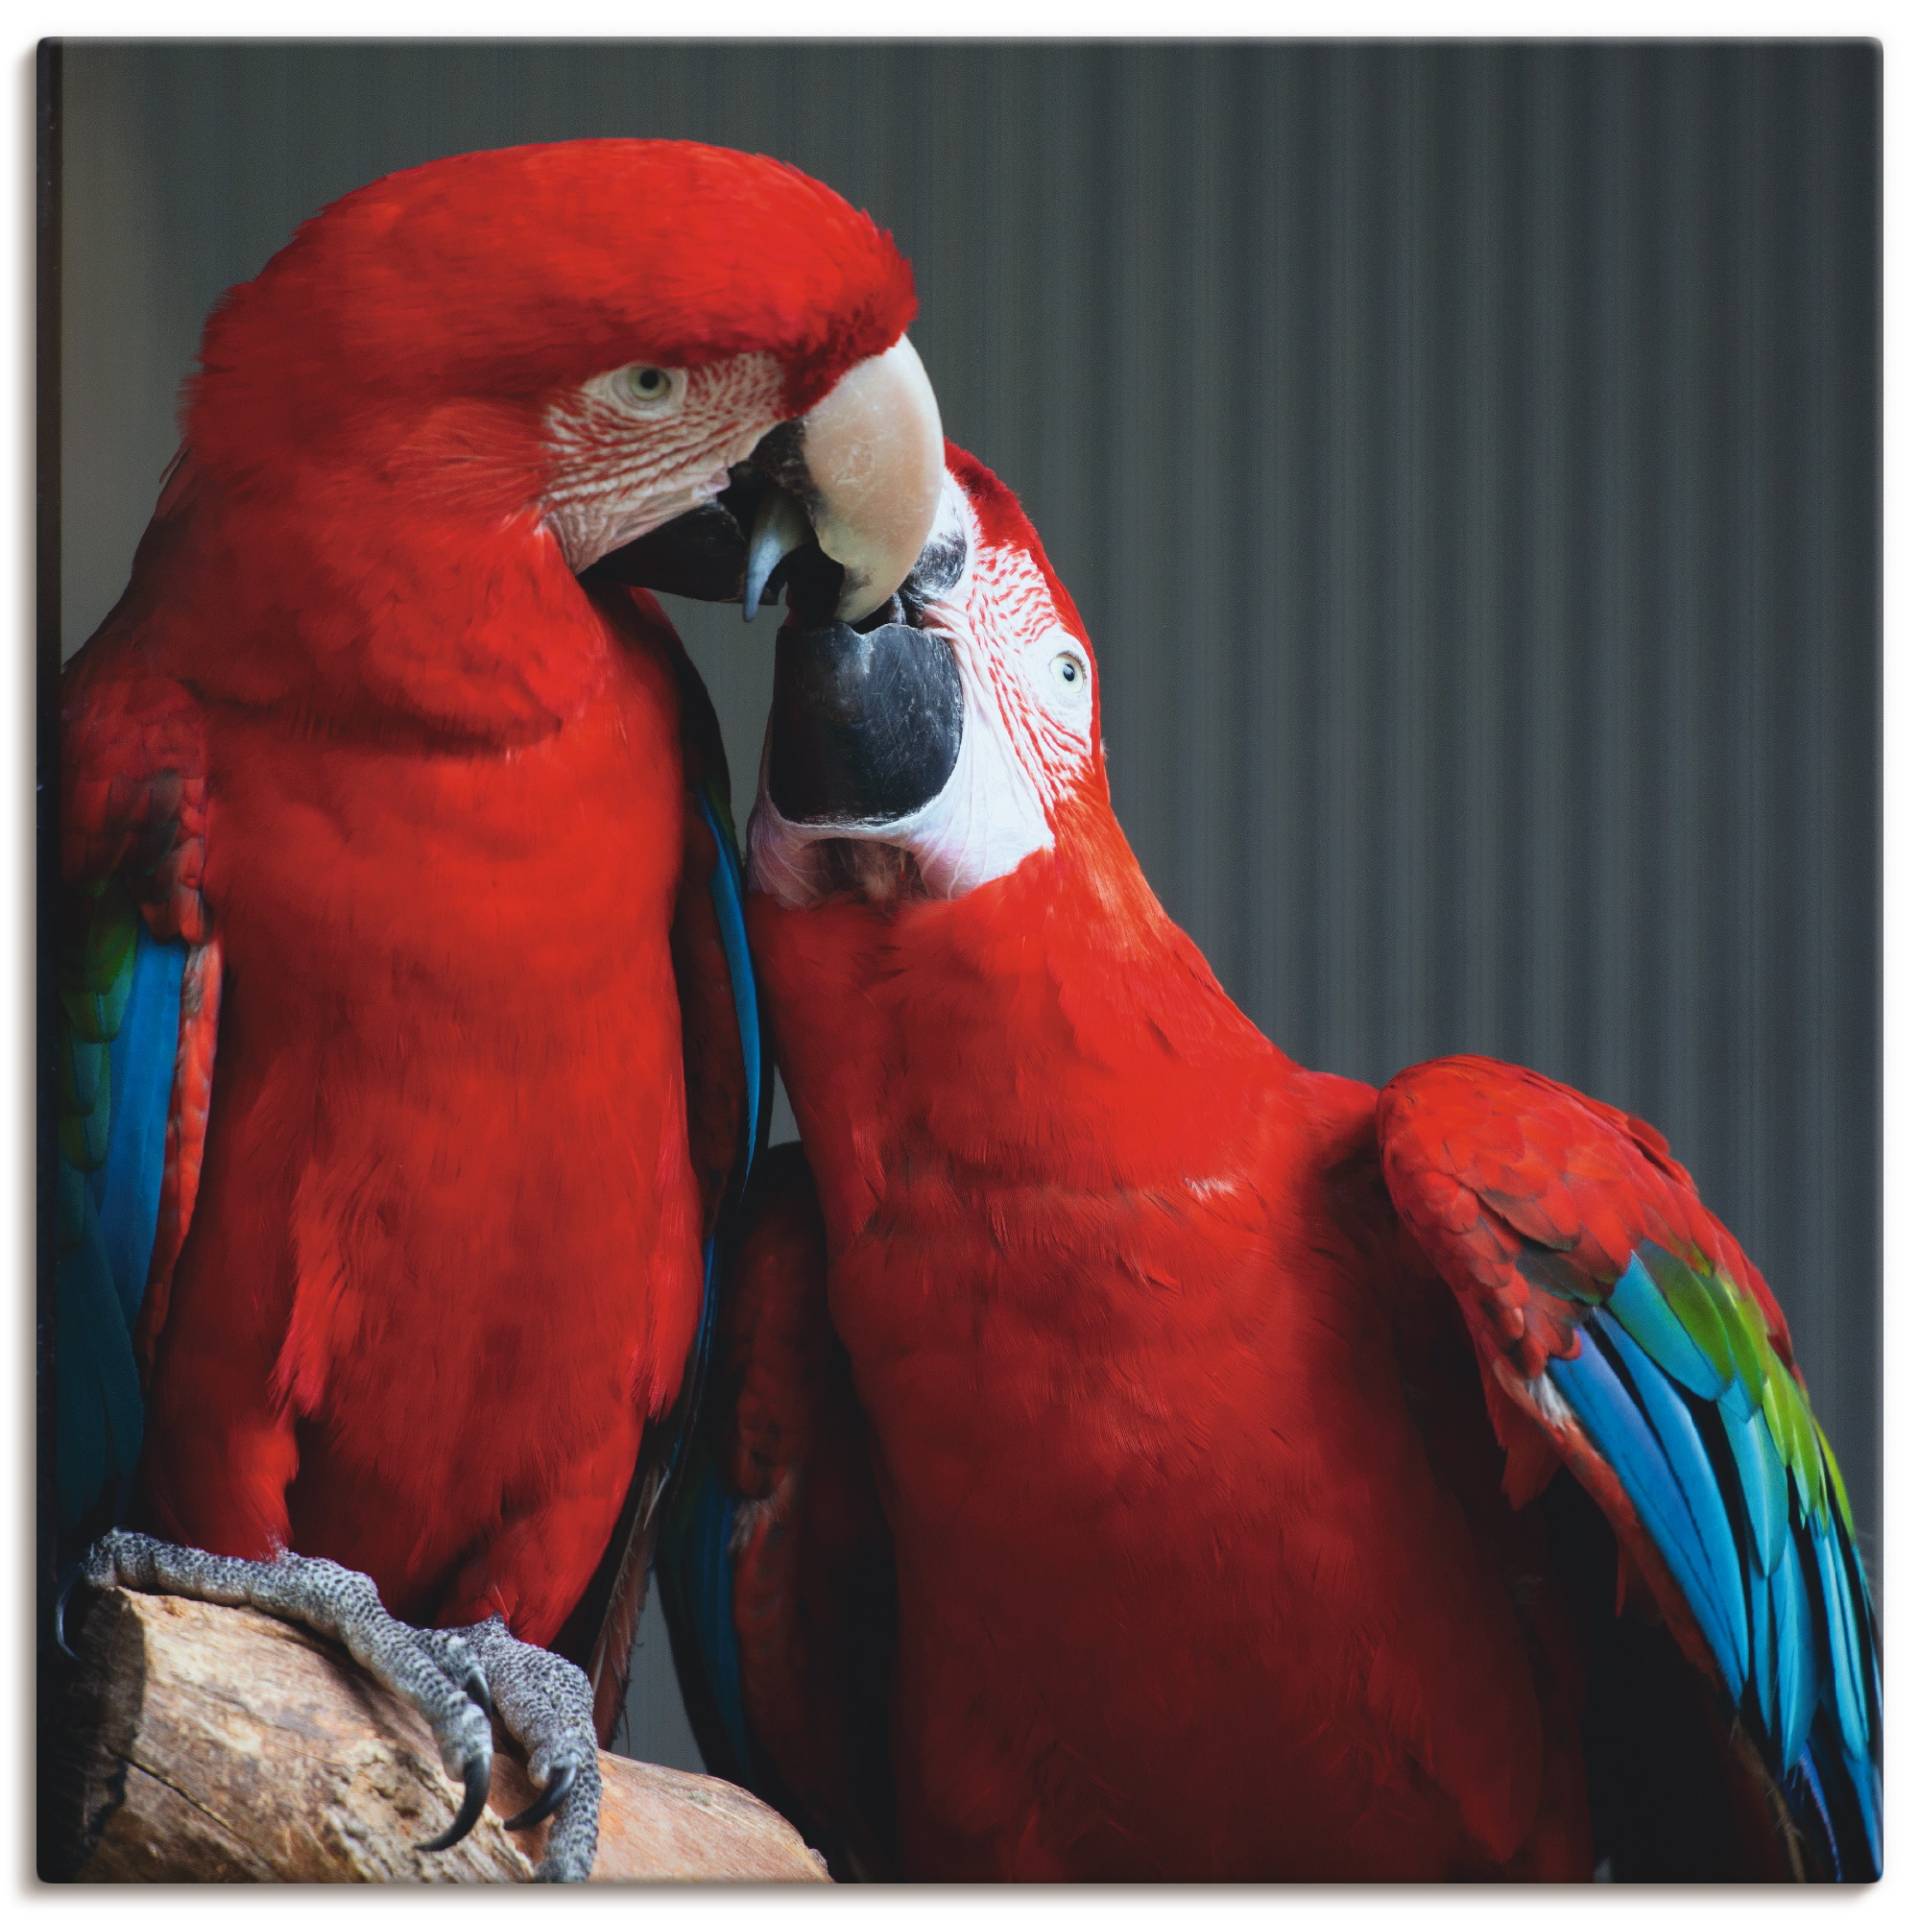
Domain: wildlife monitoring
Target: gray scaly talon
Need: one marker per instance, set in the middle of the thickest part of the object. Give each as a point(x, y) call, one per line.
point(450, 1652)
point(434, 1670)
point(453, 1675)
point(574, 1837)
point(546, 1704)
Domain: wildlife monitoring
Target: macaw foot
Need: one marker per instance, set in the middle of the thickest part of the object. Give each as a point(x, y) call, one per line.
point(546, 1704)
point(454, 1677)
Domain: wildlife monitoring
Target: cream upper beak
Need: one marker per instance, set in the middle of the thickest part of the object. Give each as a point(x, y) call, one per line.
point(875, 458)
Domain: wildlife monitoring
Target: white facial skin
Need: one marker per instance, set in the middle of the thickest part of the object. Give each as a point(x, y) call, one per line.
point(643, 444)
point(1026, 739)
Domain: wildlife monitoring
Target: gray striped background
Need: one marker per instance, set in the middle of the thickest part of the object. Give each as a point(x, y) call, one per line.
point(1466, 458)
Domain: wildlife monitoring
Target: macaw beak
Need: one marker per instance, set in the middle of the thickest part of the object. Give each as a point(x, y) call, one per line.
point(865, 728)
point(866, 736)
point(846, 493)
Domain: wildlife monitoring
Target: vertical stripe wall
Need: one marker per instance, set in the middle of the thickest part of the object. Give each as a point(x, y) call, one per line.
point(1466, 458)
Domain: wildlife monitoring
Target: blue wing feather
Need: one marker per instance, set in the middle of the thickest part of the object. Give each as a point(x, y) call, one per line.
point(728, 893)
point(1866, 1604)
point(1651, 1324)
point(1842, 1646)
point(1684, 1453)
point(1766, 1656)
point(1763, 1483)
point(126, 1189)
point(108, 1217)
point(728, 889)
point(97, 1400)
point(1747, 1550)
point(1627, 1438)
point(695, 1562)
point(1795, 1674)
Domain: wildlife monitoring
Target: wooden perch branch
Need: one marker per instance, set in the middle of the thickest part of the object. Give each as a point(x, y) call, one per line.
point(210, 1743)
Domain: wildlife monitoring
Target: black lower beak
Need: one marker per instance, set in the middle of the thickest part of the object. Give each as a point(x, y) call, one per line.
point(702, 555)
point(865, 727)
point(706, 553)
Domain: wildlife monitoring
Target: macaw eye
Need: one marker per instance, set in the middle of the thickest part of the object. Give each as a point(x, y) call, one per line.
point(653, 387)
point(1068, 670)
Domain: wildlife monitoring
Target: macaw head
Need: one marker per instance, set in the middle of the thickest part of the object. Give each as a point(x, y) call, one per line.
point(933, 754)
point(678, 362)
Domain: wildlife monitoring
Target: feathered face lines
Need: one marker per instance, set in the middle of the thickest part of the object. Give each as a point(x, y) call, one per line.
point(626, 458)
point(1012, 637)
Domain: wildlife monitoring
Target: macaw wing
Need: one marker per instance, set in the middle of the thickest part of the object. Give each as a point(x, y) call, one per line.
point(1621, 1331)
point(728, 1095)
point(776, 1564)
point(138, 991)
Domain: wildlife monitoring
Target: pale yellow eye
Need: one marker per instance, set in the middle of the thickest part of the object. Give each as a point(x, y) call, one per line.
point(1068, 670)
point(649, 383)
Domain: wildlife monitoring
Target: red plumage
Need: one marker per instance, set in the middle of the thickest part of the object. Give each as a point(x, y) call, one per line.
point(1199, 1577)
point(459, 1074)
point(1204, 1565)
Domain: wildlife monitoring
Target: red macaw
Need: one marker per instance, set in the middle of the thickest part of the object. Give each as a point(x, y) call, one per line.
point(1135, 1455)
point(408, 1044)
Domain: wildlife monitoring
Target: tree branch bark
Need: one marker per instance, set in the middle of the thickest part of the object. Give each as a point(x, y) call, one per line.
point(210, 1743)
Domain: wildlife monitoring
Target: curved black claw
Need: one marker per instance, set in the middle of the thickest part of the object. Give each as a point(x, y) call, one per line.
point(479, 1779)
point(68, 1581)
point(545, 1704)
point(479, 1692)
point(556, 1790)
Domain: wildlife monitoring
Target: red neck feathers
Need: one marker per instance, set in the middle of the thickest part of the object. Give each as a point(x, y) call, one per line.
point(1052, 1020)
